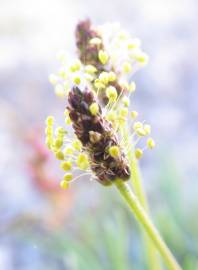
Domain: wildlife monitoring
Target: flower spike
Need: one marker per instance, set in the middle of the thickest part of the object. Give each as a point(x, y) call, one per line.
point(97, 137)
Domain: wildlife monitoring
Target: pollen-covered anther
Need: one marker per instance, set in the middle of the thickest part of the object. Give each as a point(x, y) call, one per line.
point(111, 93)
point(94, 136)
point(59, 90)
point(132, 87)
point(103, 57)
point(138, 153)
point(134, 114)
point(66, 165)
point(68, 177)
point(137, 125)
point(95, 41)
point(140, 132)
point(94, 108)
point(104, 77)
point(111, 76)
point(82, 161)
point(53, 79)
point(127, 67)
point(76, 66)
point(77, 80)
point(64, 184)
point(126, 101)
point(147, 129)
point(59, 155)
point(114, 151)
point(90, 69)
point(77, 145)
point(150, 143)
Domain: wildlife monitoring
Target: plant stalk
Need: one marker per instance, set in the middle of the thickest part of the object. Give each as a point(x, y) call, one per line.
point(147, 224)
point(153, 260)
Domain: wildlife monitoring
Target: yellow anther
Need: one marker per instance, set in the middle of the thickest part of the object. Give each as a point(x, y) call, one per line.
point(68, 151)
point(111, 76)
point(59, 155)
point(68, 177)
point(127, 67)
point(77, 145)
point(140, 131)
point(132, 87)
point(123, 112)
point(58, 143)
point(126, 101)
point(98, 84)
point(134, 114)
point(137, 125)
point(82, 161)
point(111, 116)
point(141, 57)
point(53, 79)
point(62, 73)
point(49, 142)
point(68, 120)
point(64, 184)
point(138, 153)
point(50, 120)
point(94, 108)
point(111, 93)
point(147, 129)
point(59, 90)
point(104, 77)
point(90, 69)
point(134, 43)
point(77, 80)
point(95, 41)
point(66, 165)
point(114, 151)
point(150, 143)
point(76, 66)
point(49, 130)
point(60, 131)
point(103, 57)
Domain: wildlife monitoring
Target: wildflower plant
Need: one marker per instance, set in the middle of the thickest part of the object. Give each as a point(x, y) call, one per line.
point(103, 141)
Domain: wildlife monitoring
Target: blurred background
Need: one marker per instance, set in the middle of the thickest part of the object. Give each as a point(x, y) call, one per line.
point(88, 227)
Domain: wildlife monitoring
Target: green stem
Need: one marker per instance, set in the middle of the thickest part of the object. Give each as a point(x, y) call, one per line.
point(151, 252)
point(147, 224)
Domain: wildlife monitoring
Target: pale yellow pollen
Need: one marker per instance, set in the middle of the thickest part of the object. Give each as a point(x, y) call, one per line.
point(90, 69)
point(138, 153)
point(150, 143)
point(114, 151)
point(132, 87)
point(134, 114)
point(111, 93)
point(77, 145)
point(66, 165)
point(59, 155)
point(147, 129)
point(64, 184)
point(68, 177)
point(127, 67)
point(137, 125)
point(103, 57)
point(94, 108)
point(50, 120)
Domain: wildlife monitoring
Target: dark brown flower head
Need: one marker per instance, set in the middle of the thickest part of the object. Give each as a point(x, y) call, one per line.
point(97, 137)
point(88, 53)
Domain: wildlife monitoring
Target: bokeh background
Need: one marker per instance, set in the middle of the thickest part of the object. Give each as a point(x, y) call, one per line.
point(87, 227)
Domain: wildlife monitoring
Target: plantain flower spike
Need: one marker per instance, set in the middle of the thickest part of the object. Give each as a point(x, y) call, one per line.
point(98, 88)
point(97, 137)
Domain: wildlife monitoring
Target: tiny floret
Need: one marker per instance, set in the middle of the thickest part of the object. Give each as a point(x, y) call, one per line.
point(94, 108)
point(68, 177)
point(66, 165)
